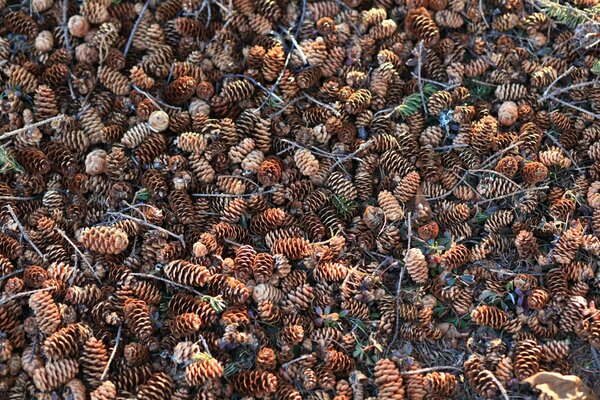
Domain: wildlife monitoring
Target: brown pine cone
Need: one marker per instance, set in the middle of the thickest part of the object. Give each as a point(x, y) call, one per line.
point(137, 318)
point(527, 359)
point(255, 383)
point(186, 273)
point(103, 239)
point(203, 370)
point(489, 315)
point(180, 90)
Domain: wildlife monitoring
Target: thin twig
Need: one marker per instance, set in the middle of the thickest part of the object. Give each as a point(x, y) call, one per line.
point(301, 20)
point(420, 56)
point(500, 153)
point(24, 232)
point(258, 84)
point(24, 294)
point(511, 194)
point(276, 84)
point(65, 28)
point(205, 345)
point(232, 196)
point(148, 224)
point(168, 281)
point(583, 110)
point(324, 105)
point(565, 152)
point(500, 386)
point(482, 14)
point(430, 369)
point(295, 360)
point(113, 354)
point(546, 94)
point(157, 102)
point(16, 272)
point(296, 46)
point(135, 27)
point(17, 198)
point(27, 127)
point(85, 261)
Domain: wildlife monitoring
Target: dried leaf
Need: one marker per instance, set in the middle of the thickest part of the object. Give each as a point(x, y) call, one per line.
point(561, 387)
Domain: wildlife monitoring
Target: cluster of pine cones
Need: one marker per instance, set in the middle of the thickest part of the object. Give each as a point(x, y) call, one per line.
point(296, 199)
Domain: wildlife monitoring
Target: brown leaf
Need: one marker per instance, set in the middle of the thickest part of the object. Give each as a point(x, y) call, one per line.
point(561, 387)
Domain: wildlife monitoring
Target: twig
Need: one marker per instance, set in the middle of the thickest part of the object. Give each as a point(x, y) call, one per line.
point(65, 28)
point(17, 272)
point(295, 360)
point(148, 224)
point(135, 27)
point(17, 198)
point(420, 56)
point(571, 87)
point(491, 171)
point(449, 192)
point(232, 196)
point(301, 20)
point(205, 345)
point(564, 103)
point(511, 194)
point(258, 84)
point(168, 281)
point(85, 261)
point(157, 102)
point(113, 354)
point(595, 357)
point(430, 369)
point(276, 84)
point(554, 82)
point(24, 294)
point(482, 14)
point(27, 127)
point(500, 386)
point(500, 153)
point(320, 103)
point(296, 46)
point(24, 232)
point(566, 153)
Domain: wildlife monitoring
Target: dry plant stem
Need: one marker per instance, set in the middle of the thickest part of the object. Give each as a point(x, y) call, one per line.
point(232, 196)
point(431, 369)
point(500, 153)
point(320, 103)
point(65, 28)
point(135, 27)
point(512, 194)
point(148, 224)
point(482, 14)
point(205, 345)
point(420, 49)
point(546, 94)
point(156, 101)
point(24, 232)
point(25, 128)
point(114, 352)
point(168, 281)
point(490, 171)
point(295, 360)
point(259, 85)
point(276, 84)
point(17, 272)
point(24, 294)
point(85, 261)
point(298, 48)
point(583, 110)
point(500, 386)
point(565, 151)
point(399, 285)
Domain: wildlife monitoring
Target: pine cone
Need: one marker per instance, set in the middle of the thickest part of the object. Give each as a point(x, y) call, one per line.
point(103, 239)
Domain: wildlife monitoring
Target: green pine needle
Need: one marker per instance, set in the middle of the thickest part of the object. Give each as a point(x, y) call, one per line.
point(568, 15)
